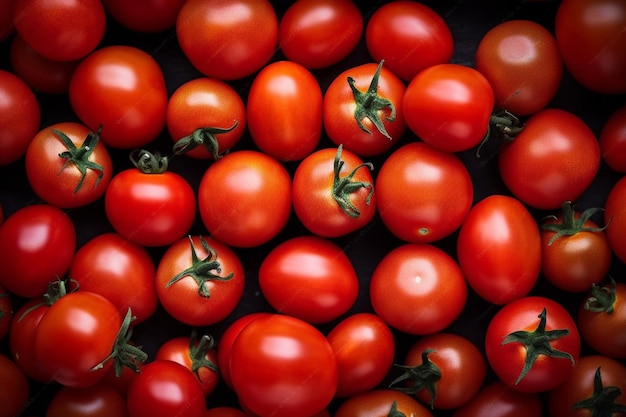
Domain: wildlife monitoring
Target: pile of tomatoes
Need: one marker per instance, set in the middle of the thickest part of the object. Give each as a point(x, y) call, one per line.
point(316, 208)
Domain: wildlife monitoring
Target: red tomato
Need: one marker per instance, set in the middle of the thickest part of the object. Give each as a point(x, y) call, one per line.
point(590, 35)
point(499, 400)
point(532, 344)
point(449, 106)
point(613, 140)
point(205, 118)
point(309, 277)
point(131, 109)
point(418, 274)
point(499, 249)
point(522, 62)
point(409, 36)
point(227, 39)
point(45, 26)
point(615, 218)
point(67, 165)
point(99, 400)
point(37, 245)
point(362, 109)
point(15, 392)
point(553, 159)
point(423, 194)
point(6, 312)
point(299, 372)
point(20, 115)
point(381, 403)
point(199, 280)
point(318, 34)
point(132, 14)
point(244, 198)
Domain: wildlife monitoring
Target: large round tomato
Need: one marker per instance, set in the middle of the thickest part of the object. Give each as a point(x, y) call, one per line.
point(449, 106)
point(381, 403)
point(532, 344)
point(285, 135)
point(99, 400)
point(15, 391)
point(409, 36)
point(423, 194)
point(122, 89)
point(613, 140)
point(615, 218)
point(418, 274)
point(227, 39)
point(499, 249)
point(591, 38)
point(298, 375)
point(499, 400)
point(132, 14)
point(317, 34)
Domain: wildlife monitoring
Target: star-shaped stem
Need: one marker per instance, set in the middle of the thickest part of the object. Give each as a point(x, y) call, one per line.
point(394, 412)
point(198, 350)
point(204, 136)
point(602, 299)
point(343, 187)
point(422, 376)
point(79, 156)
point(602, 401)
point(569, 224)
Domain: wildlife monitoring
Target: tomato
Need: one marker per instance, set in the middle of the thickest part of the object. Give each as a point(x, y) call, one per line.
point(443, 370)
point(423, 194)
point(381, 403)
point(120, 270)
point(244, 198)
point(199, 280)
point(6, 19)
point(590, 35)
point(67, 165)
point(532, 344)
point(205, 117)
point(299, 372)
point(309, 277)
point(131, 109)
point(6, 312)
point(318, 34)
point(449, 106)
point(418, 274)
point(163, 202)
point(20, 115)
point(333, 192)
point(615, 218)
point(285, 135)
point(596, 387)
point(362, 109)
point(133, 16)
point(43, 25)
point(601, 319)
point(37, 245)
point(499, 249)
point(522, 62)
point(227, 39)
point(496, 399)
point(613, 140)
point(165, 388)
point(99, 400)
point(15, 391)
point(553, 159)
point(409, 36)
point(224, 412)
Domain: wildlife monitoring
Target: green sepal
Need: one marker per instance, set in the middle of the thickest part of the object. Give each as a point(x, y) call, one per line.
point(343, 187)
point(422, 376)
point(79, 156)
point(602, 401)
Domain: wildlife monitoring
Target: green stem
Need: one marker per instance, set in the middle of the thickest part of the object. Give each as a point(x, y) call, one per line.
point(204, 136)
point(602, 299)
point(198, 351)
point(602, 401)
point(422, 376)
point(344, 187)
point(570, 225)
point(79, 156)
point(149, 163)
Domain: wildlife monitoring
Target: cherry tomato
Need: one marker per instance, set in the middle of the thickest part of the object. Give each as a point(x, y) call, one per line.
point(99, 400)
point(15, 391)
point(496, 399)
point(132, 14)
point(615, 218)
point(423, 194)
point(381, 403)
point(613, 140)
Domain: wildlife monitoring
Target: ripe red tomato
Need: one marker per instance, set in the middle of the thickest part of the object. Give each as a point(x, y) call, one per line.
point(423, 194)
point(199, 280)
point(99, 400)
point(499, 400)
point(6, 312)
point(227, 39)
point(522, 62)
point(131, 109)
point(409, 36)
point(309, 277)
point(590, 35)
point(381, 403)
point(449, 106)
point(418, 274)
point(362, 109)
point(285, 135)
point(244, 198)
point(613, 140)
point(299, 372)
point(532, 344)
point(615, 218)
point(318, 34)
point(15, 391)
point(553, 159)
point(499, 249)
point(132, 14)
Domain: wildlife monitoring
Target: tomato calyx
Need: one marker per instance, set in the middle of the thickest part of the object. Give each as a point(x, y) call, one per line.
point(79, 156)
point(422, 376)
point(504, 126)
point(202, 270)
point(56, 290)
point(569, 225)
point(344, 186)
point(537, 343)
point(602, 299)
point(198, 350)
point(369, 103)
point(602, 401)
point(394, 412)
point(203, 136)
point(149, 163)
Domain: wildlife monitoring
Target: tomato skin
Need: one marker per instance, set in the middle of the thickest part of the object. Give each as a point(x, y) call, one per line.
point(496, 399)
point(378, 403)
point(394, 289)
point(409, 36)
point(497, 230)
point(132, 15)
point(318, 34)
point(227, 40)
point(522, 62)
point(613, 140)
point(615, 218)
point(449, 106)
point(15, 391)
point(99, 400)
point(423, 194)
